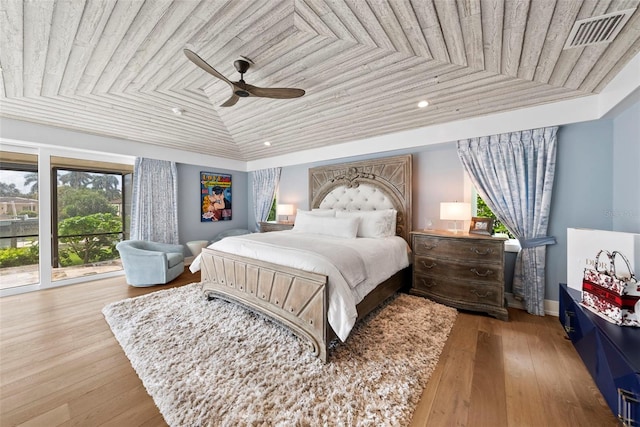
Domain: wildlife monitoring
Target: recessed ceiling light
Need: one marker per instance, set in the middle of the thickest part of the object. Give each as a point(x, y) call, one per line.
point(267, 143)
point(423, 104)
point(177, 111)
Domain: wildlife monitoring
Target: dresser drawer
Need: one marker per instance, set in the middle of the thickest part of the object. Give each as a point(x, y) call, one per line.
point(461, 292)
point(469, 249)
point(462, 270)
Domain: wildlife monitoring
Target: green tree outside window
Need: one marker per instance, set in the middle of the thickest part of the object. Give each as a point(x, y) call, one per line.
point(272, 212)
point(83, 240)
point(484, 211)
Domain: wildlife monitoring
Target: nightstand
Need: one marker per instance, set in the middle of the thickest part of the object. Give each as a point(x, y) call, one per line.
point(275, 226)
point(461, 270)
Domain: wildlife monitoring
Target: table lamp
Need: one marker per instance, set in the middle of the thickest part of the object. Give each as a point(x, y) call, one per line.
point(284, 210)
point(455, 211)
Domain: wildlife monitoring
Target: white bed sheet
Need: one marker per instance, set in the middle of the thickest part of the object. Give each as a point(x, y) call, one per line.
point(381, 258)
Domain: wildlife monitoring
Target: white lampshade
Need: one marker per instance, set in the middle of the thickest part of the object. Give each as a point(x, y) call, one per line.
point(455, 211)
point(284, 210)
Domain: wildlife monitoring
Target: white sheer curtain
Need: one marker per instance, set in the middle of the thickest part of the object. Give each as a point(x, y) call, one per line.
point(514, 173)
point(154, 206)
point(265, 185)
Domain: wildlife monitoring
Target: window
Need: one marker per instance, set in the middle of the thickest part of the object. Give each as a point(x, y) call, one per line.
point(482, 210)
point(272, 213)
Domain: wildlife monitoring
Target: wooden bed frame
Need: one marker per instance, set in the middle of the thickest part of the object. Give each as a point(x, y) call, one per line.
point(296, 298)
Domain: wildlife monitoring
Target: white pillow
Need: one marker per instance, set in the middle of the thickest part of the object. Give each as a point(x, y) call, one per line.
point(323, 212)
point(376, 224)
point(316, 212)
point(328, 226)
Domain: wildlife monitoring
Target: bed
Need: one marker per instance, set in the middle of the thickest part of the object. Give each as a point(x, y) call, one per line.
point(300, 298)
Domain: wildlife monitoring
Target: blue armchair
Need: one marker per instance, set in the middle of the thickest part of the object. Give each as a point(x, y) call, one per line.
point(150, 263)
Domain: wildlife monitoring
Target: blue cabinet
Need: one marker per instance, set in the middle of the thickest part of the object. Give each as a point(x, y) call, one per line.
point(611, 354)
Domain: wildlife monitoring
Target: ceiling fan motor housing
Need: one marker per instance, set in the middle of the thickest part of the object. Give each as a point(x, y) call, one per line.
point(241, 65)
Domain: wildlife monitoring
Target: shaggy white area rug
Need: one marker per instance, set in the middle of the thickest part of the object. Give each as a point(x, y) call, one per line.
point(213, 363)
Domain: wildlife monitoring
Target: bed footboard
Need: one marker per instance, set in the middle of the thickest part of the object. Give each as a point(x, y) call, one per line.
point(295, 298)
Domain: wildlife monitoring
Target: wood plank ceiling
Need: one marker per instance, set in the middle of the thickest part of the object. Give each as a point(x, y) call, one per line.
point(116, 68)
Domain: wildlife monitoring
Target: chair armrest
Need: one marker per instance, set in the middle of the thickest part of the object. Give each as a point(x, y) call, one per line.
point(165, 247)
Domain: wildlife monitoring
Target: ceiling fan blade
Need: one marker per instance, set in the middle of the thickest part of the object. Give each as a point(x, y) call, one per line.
point(231, 101)
point(193, 57)
point(278, 93)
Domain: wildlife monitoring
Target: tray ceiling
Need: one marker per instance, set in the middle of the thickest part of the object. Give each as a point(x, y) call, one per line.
point(116, 68)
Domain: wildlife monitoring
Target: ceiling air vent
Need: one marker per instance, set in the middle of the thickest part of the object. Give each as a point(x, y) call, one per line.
point(598, 29)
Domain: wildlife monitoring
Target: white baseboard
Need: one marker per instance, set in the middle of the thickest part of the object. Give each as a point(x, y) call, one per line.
point(551, 307)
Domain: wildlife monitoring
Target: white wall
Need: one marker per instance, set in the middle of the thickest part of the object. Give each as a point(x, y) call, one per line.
point(18, 132)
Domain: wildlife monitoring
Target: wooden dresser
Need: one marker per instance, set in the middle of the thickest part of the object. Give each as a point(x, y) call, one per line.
point(275, 226)
point(462, 270)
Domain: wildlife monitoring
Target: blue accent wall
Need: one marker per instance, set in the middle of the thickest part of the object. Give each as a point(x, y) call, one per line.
point(597, 183)
point(625, 212)
point(189, 225)
point(582, 193)
point(437, 176)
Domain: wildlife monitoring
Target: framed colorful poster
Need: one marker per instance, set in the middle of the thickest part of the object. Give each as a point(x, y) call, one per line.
point(215, 197)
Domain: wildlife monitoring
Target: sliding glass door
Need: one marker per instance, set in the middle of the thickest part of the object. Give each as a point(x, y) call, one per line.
point(88, 221)
point(19, 219)
point(60, 218)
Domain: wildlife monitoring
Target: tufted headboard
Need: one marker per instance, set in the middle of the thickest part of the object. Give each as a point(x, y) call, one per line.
point(365, 185)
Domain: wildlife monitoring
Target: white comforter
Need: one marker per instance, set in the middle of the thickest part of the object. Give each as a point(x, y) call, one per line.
point(354, 266)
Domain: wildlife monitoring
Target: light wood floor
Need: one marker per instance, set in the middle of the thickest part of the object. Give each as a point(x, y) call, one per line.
point(61, 365)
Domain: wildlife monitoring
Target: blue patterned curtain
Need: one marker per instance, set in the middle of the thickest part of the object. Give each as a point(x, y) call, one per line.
point(154, 207)
point(265, 185)
point(513, 173)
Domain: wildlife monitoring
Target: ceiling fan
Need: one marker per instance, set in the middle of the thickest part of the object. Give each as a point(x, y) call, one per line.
point(241, 89)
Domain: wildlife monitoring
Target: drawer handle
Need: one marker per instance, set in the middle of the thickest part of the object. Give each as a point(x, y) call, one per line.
point(567, 321)
point(485, 274)
point(429, 284)
point(626, 401)
point(479, 295)
point(485, 252)
point(427, 247)
point(430, 266)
